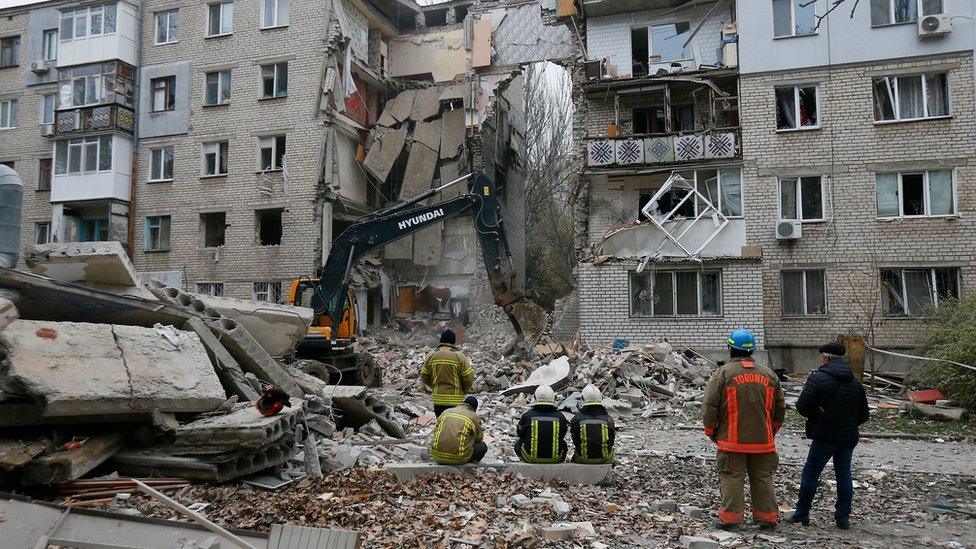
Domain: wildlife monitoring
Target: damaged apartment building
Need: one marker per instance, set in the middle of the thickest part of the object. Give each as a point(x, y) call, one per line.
point(824, 171)
point(226, 144)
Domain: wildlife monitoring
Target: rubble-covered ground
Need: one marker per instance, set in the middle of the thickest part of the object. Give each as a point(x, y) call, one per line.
point(664, 485)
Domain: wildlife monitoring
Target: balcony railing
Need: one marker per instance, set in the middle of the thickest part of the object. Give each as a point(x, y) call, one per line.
point(94, 118)
point(650, 150)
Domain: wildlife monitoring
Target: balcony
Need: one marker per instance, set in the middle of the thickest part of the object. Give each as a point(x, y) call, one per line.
point(663, 150)
point(94, 118)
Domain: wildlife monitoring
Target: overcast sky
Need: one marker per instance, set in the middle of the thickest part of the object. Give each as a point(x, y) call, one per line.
point(10, 3)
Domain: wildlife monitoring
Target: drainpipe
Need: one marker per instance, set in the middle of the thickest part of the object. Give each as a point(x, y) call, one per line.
point(11, 197)
point(130, 247)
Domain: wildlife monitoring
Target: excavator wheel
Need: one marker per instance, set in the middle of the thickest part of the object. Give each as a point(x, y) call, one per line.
point(367, 372)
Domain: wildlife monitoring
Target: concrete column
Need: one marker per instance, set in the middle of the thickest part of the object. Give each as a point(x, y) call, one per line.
point(57, 223)
point(326, 231)
point(373, 54)
point(421, 21)
point(451, 19)
point(118, 222)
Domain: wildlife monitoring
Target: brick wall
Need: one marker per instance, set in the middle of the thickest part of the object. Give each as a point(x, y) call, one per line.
point(849, 149)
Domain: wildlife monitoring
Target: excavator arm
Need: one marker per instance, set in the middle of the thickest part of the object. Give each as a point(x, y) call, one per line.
point(385, 226)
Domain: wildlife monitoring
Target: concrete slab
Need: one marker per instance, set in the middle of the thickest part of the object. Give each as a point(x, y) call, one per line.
point(168, 461)
point(101, 265)
point(399, 249)
point(452, 133)
point(383, 154)
point(243, 428)
point(450, 171)
point(428, 245)
point(8, 313)
point(228, 370)
point(77, 369)
point(569, 473)
point(401, 105)
point(428, 133)
point(419, 173)
point(426, 104)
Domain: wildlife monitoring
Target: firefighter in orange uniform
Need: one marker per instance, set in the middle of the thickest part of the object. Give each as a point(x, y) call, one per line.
point(744, 408)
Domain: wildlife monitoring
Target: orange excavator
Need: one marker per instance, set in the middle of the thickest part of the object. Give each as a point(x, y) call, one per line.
point(330, 340)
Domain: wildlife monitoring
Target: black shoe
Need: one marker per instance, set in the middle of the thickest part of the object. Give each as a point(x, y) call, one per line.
point(727, 526)
point(802, 519)
point(767, 526)
point(844, 524)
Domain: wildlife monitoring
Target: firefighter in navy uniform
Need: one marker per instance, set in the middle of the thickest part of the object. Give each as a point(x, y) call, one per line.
point(744, 408)
point(541, 430)
point(592, 429)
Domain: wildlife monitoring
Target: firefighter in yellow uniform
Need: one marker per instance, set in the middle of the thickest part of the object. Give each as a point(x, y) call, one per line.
point(744, 408)
point(448, 374)
point(458, 437)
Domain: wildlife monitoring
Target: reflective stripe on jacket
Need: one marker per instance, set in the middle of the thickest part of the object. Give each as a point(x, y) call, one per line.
point(449, 375)
point(592, 430)
point(744, 407)
point(454, 436)
point(541, 431)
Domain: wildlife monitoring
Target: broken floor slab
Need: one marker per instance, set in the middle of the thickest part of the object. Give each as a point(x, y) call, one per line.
point(569, 473)
point(101, 265)
point(168, 461)
point(242, 428)
point(419, 173)
point(77, 369)
point(228, 370)
point(384, 152)
point(401, 105)
point(426, 104)
point(428, 245)
point(428, 133)
point(452, 133)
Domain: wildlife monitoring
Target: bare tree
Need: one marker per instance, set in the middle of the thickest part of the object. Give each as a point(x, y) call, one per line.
point(869, 308)
point(834, 4)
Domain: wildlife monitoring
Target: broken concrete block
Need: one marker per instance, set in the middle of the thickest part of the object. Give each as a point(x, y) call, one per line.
point(384, 153)
point(449, 172)
point(228, 370)
point(419, 173)
point(452, 133)
point(559, 533)
point(168, 461)
point(401, 105)
point(76, 369)
point(426, 104)
point(428, 133)
point(560, 507)
point(692, 542)
point(68, 465)
point(428, 245)
point(242, 428)
point(101, 265)
point(8, 313)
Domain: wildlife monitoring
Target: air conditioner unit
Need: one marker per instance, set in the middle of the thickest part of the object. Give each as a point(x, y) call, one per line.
point(934, 26)
point(40, 67)
point(788, 229)
point(596, 69)
point(47, 130)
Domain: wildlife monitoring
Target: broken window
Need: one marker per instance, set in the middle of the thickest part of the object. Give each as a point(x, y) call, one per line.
point(793, 17)
point(801, 198)
point(912, 97)
point(796, 107)
point(272, 155)
point(214, 289)
point(676, 293)
point(649, 120)
point(213, 227)
point(915, 194)
point(274, 13)
point(668, 41)
point(436, 18)
point(274, 80)
point(94, 230)
point(684, 118)
point(42, 233)
point(157, 233)
point(163, 94)
point(220, 19)
point(406, 21)
point(639, 51)
point(722, 188)
point(267, 292)
point(460, 12)
point(217, 88)
point(161, 164)
point(268, 226)
point(44, 169)
point(804, 292)
point(215, 158)
point(889, 12)
point(917, 291)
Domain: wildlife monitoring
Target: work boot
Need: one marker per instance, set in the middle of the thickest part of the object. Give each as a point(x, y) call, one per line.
point(767, 526)
point(802, 519)
point(727, 526)
point(844, 524)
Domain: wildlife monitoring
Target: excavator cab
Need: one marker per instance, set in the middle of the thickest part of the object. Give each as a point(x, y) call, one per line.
point(300, 294)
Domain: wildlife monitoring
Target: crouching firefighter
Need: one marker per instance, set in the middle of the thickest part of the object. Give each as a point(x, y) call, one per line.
point(744, 408)
point(541, 430)
point(458, 437)
point(592, 429)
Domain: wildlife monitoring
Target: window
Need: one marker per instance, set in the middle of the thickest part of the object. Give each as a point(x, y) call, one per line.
point(86, 90)
point(274, 13)
point(217, 86)
point(268, 292)
point(161, 164)
point(722, 187)
point(917, 291)
point(93, 21)
point(649, 120)
point(44, 167)
point(8, 113)
point(167, 26)
point(215, 158)
point(804, 292)
point(888, 12)
point(214, 289)
point(213, 227)
point(667, 41)
point(157, 233)
point(796, 108)
point(47, 108)
point(267, 224)
point(272, 153)
point(801, 198)
point(639, 51)
point(220, 19)
point(163, 93)
point(42, 233)
point(94, 230)
point(918, 194)
point(676, 293)
point(912, 97)
point(793, 17)
point(274, 80)
point(50, 47)
point(91, 84)
point(436, 18)
point(9, 51)
point(83, 155)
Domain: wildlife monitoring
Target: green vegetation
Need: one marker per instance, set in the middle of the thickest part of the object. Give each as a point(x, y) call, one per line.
point(952, 336)
point(892, 421)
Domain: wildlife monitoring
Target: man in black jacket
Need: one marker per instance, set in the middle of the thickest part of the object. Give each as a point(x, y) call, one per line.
point(541, 430)
point(835, 404)
point(592, 429)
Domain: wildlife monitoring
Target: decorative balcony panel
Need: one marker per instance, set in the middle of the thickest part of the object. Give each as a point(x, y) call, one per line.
point(658, 150)
point(720, 145)
point(630, 151)
point(600, 152)
point(688, 147)
point(95, 118)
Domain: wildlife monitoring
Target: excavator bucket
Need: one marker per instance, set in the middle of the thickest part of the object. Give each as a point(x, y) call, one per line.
point(528, 318)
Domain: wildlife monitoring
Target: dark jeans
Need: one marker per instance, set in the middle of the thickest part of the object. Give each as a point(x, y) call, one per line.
point(820, 454)
point(438, 409)
point(480, 449)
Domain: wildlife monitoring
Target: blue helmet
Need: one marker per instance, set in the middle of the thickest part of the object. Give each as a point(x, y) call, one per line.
point(742, 340)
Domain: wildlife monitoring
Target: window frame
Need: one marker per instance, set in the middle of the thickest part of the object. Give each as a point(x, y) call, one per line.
point(159, 226)
point(162, 168)
point(804, 294)
point(920, 4)
point(98, 225)
point(47, 46)
point(41, 171)
point(222, 146)
point(927, 198)
point(218, 286)
point(699, 183)
point(15, 55)
point(277, 14)
point(274, 167)
point(169, 93)
point(272, 287)
point(46, 225)
point(798, 192)
point(221, 82)
point(202, 230)
point(931, 274)
point(275, 80)
point(793, 33)
point(87, 14)
point(13, 113)
point(44, 109)
point(220, 12)
point(796, 107)
point(82, 143)
point(168, 14)
point(699, 277)
point(896, 98)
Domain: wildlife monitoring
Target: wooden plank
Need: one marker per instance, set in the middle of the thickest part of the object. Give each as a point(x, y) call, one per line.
point(64, 466)
point(14, 454)
point(481, 43)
